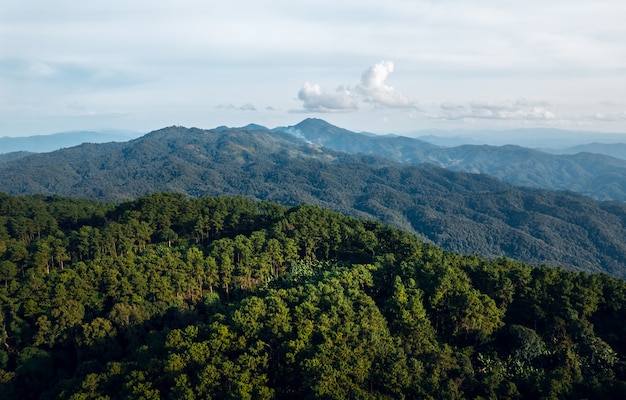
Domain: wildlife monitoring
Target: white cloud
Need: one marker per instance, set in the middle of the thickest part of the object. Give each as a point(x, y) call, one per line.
point(522, 109)
point(41, 69)
point(372, 89)
point(117, 56)
point(244, 107)
point(375, 90)
point(314, 99)
point(617, 116)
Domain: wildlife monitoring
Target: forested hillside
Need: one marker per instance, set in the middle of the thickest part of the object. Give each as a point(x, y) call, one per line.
point(466, 213)
point(174, 297)
point(13, 156)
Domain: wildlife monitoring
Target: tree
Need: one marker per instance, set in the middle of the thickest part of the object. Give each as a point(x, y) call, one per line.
point(464, 314)
point(8, 271)
point(409, 320)
point(96, 340)
point(211, 272)
point(35, 372)
point(196, 271)
point(243, 251)
point(223, 251)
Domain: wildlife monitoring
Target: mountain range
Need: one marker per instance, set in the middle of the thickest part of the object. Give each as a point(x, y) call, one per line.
point(55, 141)
point(463, 212)
point(550, 139)
point(600, 176)
point(617, 150)
point(594, 169)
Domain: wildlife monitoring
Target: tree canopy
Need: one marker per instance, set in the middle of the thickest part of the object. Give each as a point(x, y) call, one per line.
point(222, 297)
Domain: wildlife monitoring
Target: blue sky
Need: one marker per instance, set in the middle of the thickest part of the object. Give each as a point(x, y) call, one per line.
point(393, 66)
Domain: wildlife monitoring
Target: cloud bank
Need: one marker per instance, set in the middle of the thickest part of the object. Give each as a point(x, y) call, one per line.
point(522, 109)
point(244, 107)
point(373, 89)
point(116, 58)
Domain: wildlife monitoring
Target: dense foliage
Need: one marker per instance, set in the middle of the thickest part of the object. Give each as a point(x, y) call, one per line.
point(175, 297)
point(465, 213)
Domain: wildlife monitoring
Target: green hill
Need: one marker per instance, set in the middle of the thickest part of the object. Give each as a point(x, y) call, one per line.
point(175, 297)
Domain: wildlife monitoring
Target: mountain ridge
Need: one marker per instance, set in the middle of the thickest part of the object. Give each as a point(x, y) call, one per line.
point(600, 176)
point(536, 138)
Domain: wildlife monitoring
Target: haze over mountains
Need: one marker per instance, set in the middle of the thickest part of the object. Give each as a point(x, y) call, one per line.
point(555, 141)
point(468, 213)
point(548, 139)
point(562, 144)
point(617, 150)
point(55, 141)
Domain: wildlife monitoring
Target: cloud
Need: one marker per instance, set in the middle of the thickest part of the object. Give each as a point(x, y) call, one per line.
point(618, 116)
point(41, 69)
point(244, 107)
point(247, 107)
point(315, 99)
point(570, 53)
point(522, 109)
point(374, 89)
point(76, 106)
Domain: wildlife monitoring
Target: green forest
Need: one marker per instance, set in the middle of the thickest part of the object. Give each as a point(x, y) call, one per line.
point(171, 297)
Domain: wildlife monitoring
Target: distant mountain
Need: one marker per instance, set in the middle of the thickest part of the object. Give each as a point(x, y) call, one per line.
point(447, 141)
point(538, 138)
point(397, 148)
point(602, 177)
point(55, 141)
point(617, 150)
point(466, 213)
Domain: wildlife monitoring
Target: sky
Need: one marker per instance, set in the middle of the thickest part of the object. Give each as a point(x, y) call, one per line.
point(394, 66)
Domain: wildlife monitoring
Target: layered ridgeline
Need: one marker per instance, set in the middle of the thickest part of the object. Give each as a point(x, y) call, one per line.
point(594, 169)
point(175, 297)
point(55, 141)
point(586, 171)
point(467, 213)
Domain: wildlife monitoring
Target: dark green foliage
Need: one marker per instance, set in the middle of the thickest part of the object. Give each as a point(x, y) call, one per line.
point(176, 297)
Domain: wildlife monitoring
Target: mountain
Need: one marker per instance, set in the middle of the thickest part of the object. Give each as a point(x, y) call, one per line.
point(526, 137)
point(602, 177)
point(447, 141)
point(397, 148)
point(55, 141)
point(617, 150)
point(466, 213)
